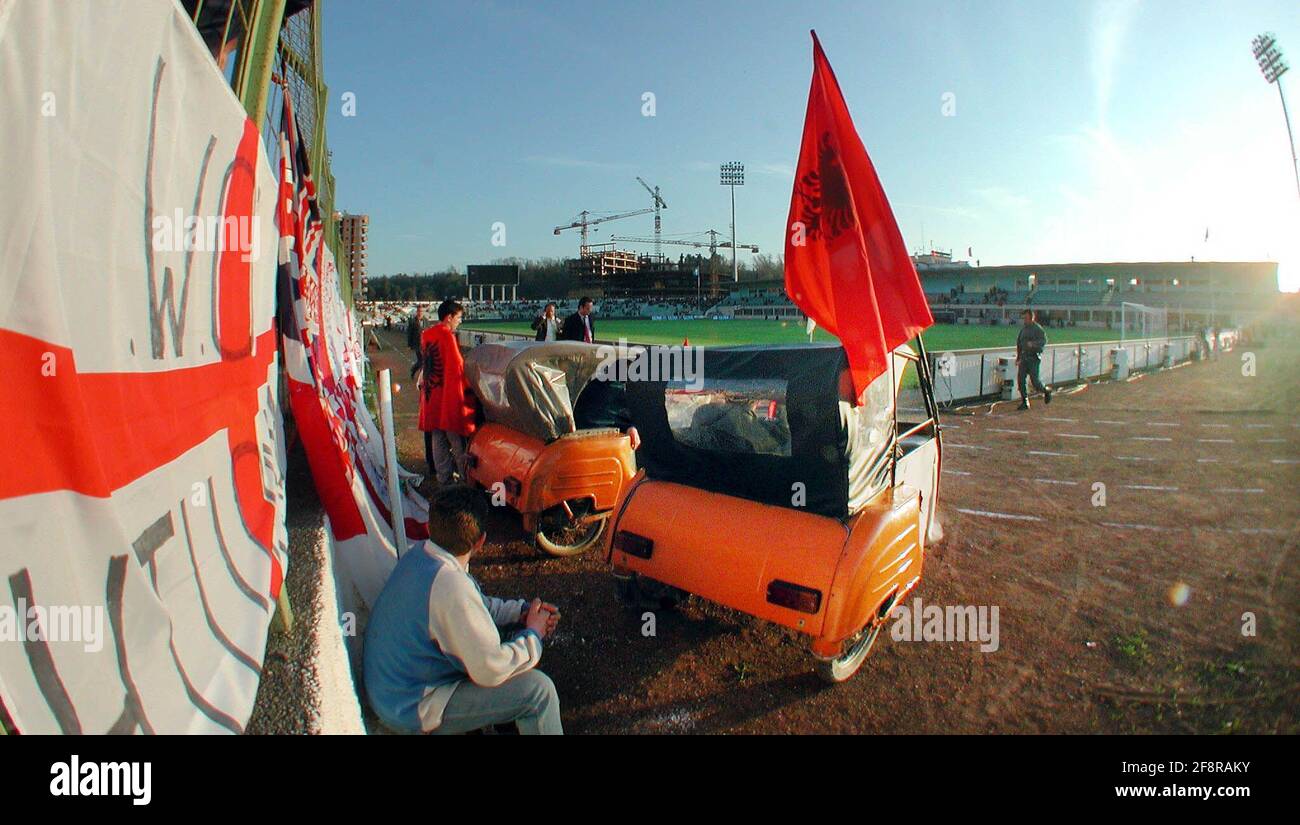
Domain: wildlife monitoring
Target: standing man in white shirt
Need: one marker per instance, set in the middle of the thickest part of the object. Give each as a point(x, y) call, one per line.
point(546, 325)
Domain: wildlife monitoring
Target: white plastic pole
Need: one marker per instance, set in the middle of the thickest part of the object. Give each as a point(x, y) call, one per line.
point(390, 456)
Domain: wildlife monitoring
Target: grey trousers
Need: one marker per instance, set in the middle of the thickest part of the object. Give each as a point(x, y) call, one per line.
point(529, 700)
point(445, 453)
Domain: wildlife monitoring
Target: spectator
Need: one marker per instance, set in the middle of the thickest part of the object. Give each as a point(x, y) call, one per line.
point(546, 325)
point(579, 326)
point(446, 413)
point(434, 659)
point(413, 330)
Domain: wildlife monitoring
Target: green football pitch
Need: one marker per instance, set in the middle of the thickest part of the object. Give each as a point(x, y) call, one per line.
point(938, 338)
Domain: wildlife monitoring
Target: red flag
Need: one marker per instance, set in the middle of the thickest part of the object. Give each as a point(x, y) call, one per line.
point(845, 263)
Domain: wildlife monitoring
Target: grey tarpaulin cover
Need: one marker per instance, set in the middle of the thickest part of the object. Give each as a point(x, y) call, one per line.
point(531, 386)
point(812, 435)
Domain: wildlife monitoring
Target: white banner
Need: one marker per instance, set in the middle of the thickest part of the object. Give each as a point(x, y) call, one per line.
point(142, 538)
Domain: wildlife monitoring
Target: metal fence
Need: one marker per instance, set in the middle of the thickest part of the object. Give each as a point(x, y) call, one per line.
point(964, 375)
point(969, 374)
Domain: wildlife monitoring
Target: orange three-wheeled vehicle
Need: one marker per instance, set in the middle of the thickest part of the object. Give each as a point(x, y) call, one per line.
point(765, 489)
point(553, 445)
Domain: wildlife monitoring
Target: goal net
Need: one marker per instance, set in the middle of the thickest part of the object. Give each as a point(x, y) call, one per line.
point(1139, 321)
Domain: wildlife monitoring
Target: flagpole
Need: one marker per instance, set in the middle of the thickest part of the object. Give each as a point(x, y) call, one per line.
point(390, 456)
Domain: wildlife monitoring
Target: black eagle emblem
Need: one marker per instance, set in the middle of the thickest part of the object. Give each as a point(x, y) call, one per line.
point(826, 209)
point(432, 368)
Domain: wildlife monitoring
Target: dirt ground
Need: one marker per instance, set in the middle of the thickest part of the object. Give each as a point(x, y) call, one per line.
point(1130, 616)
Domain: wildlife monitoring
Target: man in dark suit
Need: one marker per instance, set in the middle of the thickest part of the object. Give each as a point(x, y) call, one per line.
point(580, 326)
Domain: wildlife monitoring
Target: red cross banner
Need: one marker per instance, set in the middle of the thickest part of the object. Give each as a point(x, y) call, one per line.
point(142, 537)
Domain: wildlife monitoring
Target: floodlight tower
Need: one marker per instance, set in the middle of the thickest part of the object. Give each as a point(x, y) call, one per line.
point(733, 175)
point(1269, 57)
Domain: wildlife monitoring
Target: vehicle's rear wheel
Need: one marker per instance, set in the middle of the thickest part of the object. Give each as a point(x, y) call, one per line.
point(856, 650)
point(562, 532)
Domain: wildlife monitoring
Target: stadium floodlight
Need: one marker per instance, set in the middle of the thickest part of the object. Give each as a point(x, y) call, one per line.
point(1271, 64)
point(733, 175)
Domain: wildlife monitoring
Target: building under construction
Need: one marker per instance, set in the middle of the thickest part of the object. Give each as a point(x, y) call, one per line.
point(607, 272)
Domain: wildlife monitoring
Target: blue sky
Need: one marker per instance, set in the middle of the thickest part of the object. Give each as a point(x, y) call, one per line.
point(1087, 131)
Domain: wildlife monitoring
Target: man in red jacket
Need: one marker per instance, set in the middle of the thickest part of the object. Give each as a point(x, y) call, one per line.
point(446, 413)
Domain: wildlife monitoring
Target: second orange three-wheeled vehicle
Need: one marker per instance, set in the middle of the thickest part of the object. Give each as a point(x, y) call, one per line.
point(554, 443)
point(765, 488)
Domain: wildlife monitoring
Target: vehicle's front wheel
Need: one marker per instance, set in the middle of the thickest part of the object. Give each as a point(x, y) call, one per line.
point(568, 533)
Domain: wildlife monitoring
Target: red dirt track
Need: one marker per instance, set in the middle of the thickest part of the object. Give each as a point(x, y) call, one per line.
point(1092, 637)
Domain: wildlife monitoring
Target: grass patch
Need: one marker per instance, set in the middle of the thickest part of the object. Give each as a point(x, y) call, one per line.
point(1133, 647)
point(938, 338)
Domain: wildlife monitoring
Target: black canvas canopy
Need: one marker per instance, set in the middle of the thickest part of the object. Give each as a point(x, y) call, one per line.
point(532, 386)
point(773, 424)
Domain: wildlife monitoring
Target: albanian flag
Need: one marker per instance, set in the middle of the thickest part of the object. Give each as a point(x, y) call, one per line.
point(845, 263)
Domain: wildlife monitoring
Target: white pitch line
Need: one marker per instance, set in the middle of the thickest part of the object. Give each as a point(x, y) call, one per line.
point(1286, 461)
point(1207, 461)
point(1133, 458)
point(1066, 420)
point(1055, 481)
point(1163, 424)
point(1217, 426)
point(986, 514)
point(1049, 452)
point(1260, 426)
point(1245, 490)
point(1150, 487)
point(1150, 438)
point(1000, 430)
point(1120, 526)
point(1107, 421)
point(1077, 435)
point(956, 472)
point(1216, 441)
point(965, 446)
point(1271, 440)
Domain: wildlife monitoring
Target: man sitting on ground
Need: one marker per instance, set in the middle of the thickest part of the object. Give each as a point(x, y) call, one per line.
point(434, 659)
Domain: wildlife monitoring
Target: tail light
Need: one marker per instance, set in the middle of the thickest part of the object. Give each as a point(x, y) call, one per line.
point(513, 486)
point(633, 545)
point(795, 597)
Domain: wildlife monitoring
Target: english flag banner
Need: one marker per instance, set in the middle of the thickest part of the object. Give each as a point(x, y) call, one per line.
point(142, 517)
point(324, 363)
point(845, 263)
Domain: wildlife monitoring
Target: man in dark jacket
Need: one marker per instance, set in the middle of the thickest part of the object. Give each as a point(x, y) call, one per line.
point(413, 330)
point(1029, 349)
point(580, 326)
point(546, 325)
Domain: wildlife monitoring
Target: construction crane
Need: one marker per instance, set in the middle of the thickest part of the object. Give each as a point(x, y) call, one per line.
point(659, 204)
point(713, 245)
point(583, 222)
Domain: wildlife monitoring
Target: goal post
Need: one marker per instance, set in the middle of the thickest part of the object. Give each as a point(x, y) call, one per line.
point(1139, 321)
